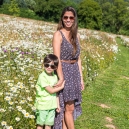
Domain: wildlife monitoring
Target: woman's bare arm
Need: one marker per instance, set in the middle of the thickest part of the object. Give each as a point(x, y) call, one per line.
point(80, 66)
point(52, 90)
point(56, 43)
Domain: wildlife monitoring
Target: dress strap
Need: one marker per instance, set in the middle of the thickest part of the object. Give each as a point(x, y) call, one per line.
point(62, 34)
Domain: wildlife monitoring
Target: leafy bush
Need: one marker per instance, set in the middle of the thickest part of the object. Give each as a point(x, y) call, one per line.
point(27, 13)
point(10, 8)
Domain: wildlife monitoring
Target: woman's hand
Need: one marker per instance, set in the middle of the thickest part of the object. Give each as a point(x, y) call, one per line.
point(82, 84)
point(59, 83)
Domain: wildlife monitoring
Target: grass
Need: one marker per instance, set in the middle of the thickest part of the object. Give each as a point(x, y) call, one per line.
point(23, 44)
point(106, 101)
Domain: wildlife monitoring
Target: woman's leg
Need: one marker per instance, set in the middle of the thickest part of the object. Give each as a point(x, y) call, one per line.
point(64, 124)
point(69, 109)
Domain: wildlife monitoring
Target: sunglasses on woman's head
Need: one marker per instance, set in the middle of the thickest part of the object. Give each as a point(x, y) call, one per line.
point(70, 17)
point(46, 65)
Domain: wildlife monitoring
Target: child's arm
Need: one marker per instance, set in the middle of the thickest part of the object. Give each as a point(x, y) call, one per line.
point(52, 90)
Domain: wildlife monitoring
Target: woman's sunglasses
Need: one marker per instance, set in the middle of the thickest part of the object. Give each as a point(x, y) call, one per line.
point(66, 17)
point(49, 65)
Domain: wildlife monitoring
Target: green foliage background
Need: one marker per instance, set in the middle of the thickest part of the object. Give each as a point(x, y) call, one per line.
point(105, 15)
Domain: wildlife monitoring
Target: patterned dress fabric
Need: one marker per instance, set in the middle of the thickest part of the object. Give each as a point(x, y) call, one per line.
point(72, 88)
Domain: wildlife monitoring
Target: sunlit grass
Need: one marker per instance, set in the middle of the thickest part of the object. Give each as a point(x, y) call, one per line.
point(23, 44)
point(106, 101)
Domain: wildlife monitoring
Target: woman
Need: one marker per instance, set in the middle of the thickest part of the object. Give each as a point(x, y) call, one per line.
point(67, 48)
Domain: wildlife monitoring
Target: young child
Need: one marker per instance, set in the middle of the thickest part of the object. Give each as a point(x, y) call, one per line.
point(46, 100)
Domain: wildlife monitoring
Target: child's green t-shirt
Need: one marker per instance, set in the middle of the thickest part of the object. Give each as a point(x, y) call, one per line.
point(45, 100)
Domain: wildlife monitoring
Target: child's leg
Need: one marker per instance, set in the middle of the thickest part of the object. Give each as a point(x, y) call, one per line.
point(39, 127)
point(47, 127)
point(40, 118)
point(50, 119)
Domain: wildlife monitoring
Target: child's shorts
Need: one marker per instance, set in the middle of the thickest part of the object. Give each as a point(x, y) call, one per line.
point(45, 117)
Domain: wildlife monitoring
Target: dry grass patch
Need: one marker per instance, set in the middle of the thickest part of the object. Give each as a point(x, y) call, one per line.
point(108, 119)
point(104, 106)
point(126, 77)
point(110, 126)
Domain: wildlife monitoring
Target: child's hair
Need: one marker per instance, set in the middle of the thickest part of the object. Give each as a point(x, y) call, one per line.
point(51, 58)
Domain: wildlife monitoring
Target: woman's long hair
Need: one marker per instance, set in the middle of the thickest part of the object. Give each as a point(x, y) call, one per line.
point(74, 28)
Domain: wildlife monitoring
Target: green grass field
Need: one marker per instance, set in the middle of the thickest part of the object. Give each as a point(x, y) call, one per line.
point(23, 45)
point(106, 101)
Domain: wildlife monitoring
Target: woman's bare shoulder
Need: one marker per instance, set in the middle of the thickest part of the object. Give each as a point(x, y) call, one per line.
point(57, 38)
point(57, 34)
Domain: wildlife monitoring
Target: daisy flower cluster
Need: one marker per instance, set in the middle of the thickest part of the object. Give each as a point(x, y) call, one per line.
point(99, 50)
point(23, 45)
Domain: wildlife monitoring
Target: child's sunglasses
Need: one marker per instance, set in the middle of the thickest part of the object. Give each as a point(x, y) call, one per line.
point(49, 65)
point(66, 17)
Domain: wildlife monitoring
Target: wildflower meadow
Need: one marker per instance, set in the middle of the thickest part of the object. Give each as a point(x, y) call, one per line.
point(23, 44)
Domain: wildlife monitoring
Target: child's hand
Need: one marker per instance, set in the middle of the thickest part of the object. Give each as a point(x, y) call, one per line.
point(58, 109)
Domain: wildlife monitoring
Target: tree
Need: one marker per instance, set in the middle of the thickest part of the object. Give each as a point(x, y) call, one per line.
point(114, 15)
point(49, 10)
point(13, 8)
point(90, 14)
point(104, 1)
point(30, 4)
point(108, 17)
point(10, 7)
point(1, 2)
point(120, 13)
point(72, 3)
point(23, 3)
